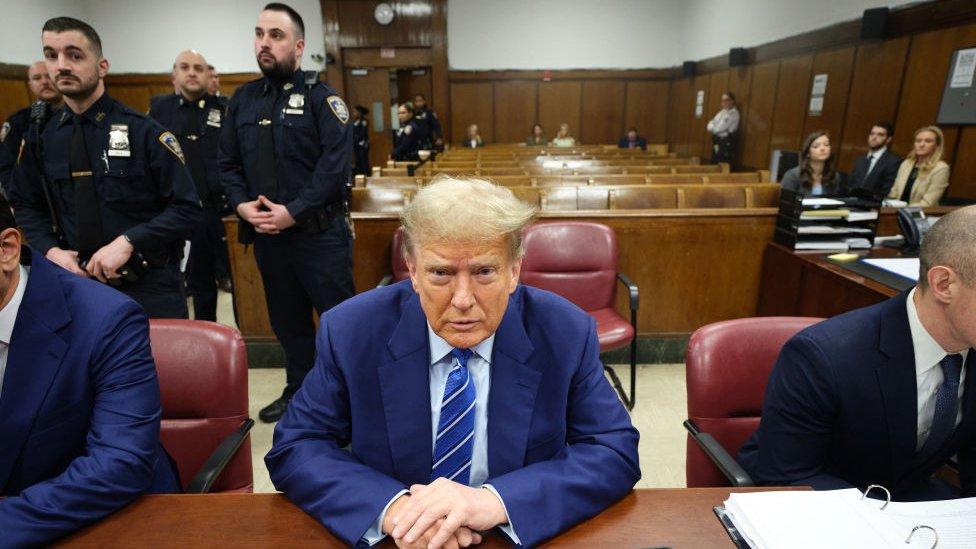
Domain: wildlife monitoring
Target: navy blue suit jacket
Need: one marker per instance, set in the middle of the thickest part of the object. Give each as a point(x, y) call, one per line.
point(840, 410)
point(80, 408)
point(561, 447)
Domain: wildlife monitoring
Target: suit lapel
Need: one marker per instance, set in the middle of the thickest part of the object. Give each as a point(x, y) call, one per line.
point(896, 378)
point(405, 390)
point(514, 384)
point(36, 351)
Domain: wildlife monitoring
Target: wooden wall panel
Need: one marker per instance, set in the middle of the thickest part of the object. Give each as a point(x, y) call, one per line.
point(603, 111)
point(647, 110)
point(517, 110)
point(792, 98)
point(135, 97)
point(717, 85)
point(837, 65)
point(409, 85)
point(473, 103)
point(963, 178)
point(740, 83)
point(560, 102)
point(875, 86)
point(682, 102)
point(358, 28)
point(14, 96)
point(757, 124)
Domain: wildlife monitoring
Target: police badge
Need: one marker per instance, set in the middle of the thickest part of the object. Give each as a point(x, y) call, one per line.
point(296, 104)
point(213, 118)
point(338, 108)
point(118, 140)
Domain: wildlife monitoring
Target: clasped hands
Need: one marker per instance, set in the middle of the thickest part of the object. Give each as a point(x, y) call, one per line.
point(266, 216)
point(442, 514)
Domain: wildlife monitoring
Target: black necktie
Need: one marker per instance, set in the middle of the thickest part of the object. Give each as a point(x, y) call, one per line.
point(191, 147)
point(267, 180)
point(88, 218)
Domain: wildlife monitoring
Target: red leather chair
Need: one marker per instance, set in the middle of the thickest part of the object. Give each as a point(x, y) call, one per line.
point(727, 365)
point(202, 368)
point(578, 260)
point(400, 271)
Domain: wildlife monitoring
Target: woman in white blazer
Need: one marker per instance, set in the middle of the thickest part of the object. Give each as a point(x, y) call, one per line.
point(923, 176)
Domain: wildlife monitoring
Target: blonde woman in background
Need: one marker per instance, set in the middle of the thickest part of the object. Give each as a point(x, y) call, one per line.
point(923, 176)
point(563, 139)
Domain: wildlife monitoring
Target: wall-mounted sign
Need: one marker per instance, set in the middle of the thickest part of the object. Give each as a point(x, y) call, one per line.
point(817, 94)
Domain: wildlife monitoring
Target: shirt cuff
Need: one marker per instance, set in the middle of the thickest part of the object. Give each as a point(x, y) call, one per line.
point(507, 529)
point(375, 533)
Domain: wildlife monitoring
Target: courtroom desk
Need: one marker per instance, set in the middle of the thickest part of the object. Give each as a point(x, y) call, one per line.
point(644, 518)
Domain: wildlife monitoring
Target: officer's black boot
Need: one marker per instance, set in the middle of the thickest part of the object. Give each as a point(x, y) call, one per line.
point(273, 412)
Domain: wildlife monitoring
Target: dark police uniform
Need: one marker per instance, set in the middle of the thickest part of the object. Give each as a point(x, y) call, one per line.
point(290, 142)
point(126, 177)
point(406, 142)
point(12, 132)
point(360, 146)
point(197, 126)
point(429, 128)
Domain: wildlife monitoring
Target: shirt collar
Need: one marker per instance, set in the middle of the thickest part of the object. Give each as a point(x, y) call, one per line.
point(297, 81)
point(204, 100)
point(95, 114)
point(8, 315)
point(440, 348)
point(928, 352)
point(879, 152)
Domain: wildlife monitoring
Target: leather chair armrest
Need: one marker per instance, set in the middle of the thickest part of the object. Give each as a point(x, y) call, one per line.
point(632, 289)
point(715, 452)
point(205, 477)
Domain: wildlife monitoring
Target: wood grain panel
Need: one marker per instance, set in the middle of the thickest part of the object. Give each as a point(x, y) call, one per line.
point(472, 104)
point(717, 85)
point(792, 97)
point(647, 110)
point(517, 110)
point(875, 86)
point(410, 84)
point(697, 135)
point(740, 83)
point(560, 102)
point(963, 178)
point(134, 97)
point(14, 96)
point(837, 66)
point(758, 116)
point(682, 105)
point(603, 111)
point(411, 25)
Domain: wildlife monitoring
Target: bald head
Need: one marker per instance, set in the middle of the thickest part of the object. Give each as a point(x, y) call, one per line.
point(41, 85)
point(950, 243)
point(190, 74)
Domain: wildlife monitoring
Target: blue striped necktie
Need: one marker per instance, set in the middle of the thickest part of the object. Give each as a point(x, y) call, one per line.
point(455, 430)
point(946, 405)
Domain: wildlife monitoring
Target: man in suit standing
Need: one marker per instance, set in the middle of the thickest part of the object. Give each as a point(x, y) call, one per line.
point(884, 394)
point(468, 401)
point(79, 399)
point(876, 171)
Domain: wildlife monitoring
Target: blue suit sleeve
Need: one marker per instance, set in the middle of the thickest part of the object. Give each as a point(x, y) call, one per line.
point(598, 465)
point(229, 162)
point(798, 414)
point(308, 461)
point(121, 444)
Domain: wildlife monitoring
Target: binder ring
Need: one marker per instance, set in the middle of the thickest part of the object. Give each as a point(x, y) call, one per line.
point(887, 495)
point(920, 527)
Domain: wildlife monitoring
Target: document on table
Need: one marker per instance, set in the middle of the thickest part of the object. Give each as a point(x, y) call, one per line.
point(906, 267)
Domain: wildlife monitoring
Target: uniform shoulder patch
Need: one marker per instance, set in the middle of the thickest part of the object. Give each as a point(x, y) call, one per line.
point(338, 107)
point(4, 130)
point(173, 145)
point(408, 129)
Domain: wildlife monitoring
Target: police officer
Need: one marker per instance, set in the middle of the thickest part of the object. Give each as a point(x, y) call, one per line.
point(360, 140)
point(431, 135)
point(406, 139)
point(13, 130)
point(285, 150)
point(195, 116)
point(103, 190)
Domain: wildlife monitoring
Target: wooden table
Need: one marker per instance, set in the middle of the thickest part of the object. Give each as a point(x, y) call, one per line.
point(645, 518)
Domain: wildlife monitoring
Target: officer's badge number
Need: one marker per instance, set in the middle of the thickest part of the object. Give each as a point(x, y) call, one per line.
point(213, 118)
point(338, 108)
point(296, 104)
point(170, 142)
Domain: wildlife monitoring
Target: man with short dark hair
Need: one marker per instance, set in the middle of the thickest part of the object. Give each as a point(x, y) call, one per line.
point(632, 141)
point(284, 160)
point(79, 399)
point(877, 170)
point(15, 127)
point(103, 191)
point(884, 394)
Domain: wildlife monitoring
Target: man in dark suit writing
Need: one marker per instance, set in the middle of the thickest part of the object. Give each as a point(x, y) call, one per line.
point(884, 394)
point(469, 401)
point(876, 171)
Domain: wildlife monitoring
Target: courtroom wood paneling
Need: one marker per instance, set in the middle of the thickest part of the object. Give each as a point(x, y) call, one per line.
point(647, 110)
point(374, 57)
point(758, 116)
point(410, 84)
point(837, 65)
point(560, 102)
point(134, 97)
point(517, 110)
point(473, 104)
point(792, 99)
point(718, 84)
point(603, 111)
point(963, 178)
point(411, 25)
point(740, 83)
point(875, 86)
point(14, 95)
point(682, 105)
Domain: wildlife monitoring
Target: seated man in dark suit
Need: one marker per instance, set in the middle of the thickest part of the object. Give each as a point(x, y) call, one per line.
point(876, 171)
point(79, 400)
point(632, 141)
point(468, 401)
point(884, 394)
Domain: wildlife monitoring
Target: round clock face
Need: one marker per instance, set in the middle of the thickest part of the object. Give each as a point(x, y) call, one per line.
point(383, 14)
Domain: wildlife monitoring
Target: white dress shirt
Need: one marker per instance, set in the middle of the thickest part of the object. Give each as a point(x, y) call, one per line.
point(725, 122)
point(928, 374)
point(479, 368)
point(874, 159)
point(8, 316)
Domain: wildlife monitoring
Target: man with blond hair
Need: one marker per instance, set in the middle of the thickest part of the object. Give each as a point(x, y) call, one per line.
point(882, 395)
point(468, 401)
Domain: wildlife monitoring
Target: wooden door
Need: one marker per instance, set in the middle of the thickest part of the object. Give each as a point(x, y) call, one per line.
point(371, 89)
point(410, 82)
